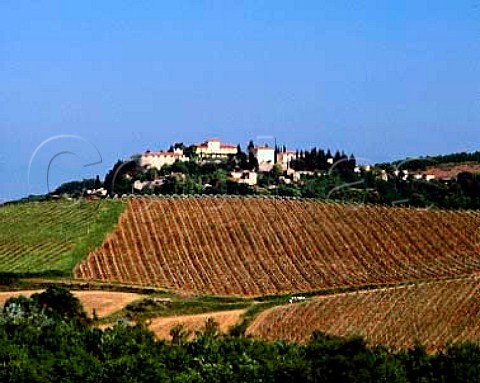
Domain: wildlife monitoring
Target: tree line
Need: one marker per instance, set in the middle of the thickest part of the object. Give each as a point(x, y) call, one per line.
point(421, 163)
point(319, 160)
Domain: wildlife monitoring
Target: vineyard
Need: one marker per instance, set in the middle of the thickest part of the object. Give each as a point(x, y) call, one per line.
point(44, 236)
point(433, 313)
point(238, 246)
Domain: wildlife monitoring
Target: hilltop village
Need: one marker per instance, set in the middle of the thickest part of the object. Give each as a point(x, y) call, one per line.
point(214, 167)
point(247, 168)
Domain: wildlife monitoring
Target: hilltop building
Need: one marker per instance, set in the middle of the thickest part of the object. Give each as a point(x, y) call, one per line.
point(159, 159)
point(213, 148)
point(265, 156)
point(284, 158)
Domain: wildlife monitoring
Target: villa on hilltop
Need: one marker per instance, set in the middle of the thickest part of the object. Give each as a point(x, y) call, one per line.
point(214, 149)
point(265, 156)
point(159, 159)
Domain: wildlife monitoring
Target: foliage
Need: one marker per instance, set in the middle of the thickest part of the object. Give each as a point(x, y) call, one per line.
point(59, 301)
point(289, 191)
point(423, 162)
point(62, 349)
point(78, 188)
point(119, 179)
point(179, 334)
point(317, 160)
point(462, 193)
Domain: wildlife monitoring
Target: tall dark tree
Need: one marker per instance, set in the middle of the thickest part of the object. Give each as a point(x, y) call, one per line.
point(275, 154)
point(321, 160)
point(337, 157)
point(177, 145)
point(98, 183)
point(242, 158)
point(190, 151)
point(329, 154)
point(252, 160)
point(352, 163)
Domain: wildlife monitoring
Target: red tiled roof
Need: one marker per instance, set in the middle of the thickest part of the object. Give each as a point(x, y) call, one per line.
point(222, 146)
point(162, 154)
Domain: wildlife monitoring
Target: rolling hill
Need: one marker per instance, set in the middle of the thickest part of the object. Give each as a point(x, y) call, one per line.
point(256, 246)
point(433, 314)
point(414, 272)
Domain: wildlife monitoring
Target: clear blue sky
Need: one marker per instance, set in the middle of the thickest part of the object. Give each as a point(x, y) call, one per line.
point(383, 80)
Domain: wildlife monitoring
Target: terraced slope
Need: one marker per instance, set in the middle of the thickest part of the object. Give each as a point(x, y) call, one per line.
point(433, 313)
point(270, 246)
point(53, 235)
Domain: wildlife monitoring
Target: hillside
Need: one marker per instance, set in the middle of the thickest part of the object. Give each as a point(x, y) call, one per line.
point(449, 171)
point(50, 236)
point(432, 313)
point(255, 246)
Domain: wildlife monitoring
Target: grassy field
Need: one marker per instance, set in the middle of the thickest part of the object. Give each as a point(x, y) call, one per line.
point(52, 236)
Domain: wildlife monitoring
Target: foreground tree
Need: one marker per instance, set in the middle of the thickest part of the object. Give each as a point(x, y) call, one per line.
point(58, 301)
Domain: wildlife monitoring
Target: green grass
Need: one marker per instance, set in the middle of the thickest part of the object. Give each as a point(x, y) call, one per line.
point(50, 237)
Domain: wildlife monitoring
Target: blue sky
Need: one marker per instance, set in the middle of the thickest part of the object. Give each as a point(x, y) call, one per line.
point(384, 81)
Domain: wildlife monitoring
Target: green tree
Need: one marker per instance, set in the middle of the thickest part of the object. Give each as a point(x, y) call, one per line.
point(211, 329)
point(119, 179)
point(179, 334)
point(60, 301)
point(277, 170)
